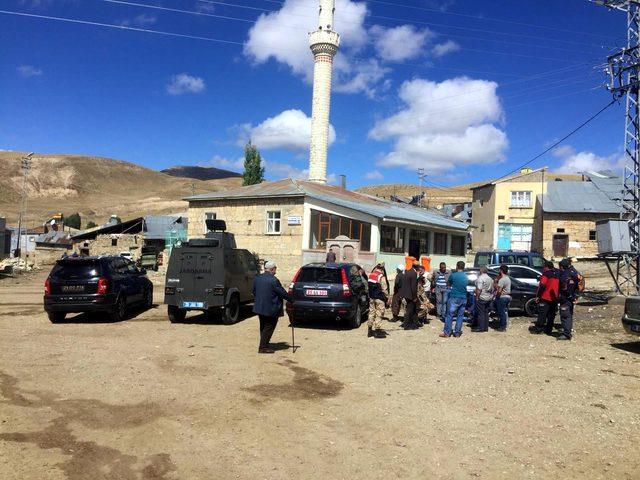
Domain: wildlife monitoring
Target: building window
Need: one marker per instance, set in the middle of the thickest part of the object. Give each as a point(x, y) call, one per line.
point(418, 242)
point(560, 230)
point(482, 227)
point(114, 242)
point(500, 217)
point(520, 199)
point(326, 225)
point(209, 216)
point(458, 245)
point(592, 235)
point(440, 243)
point(392, 239)
point(273, 222)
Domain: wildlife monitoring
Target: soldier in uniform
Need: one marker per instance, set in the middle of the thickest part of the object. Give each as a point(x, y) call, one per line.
point(378, 299)
point(424, 305)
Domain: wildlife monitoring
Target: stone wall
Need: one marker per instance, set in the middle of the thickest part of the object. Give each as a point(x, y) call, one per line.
point(247, 220)
point(104, 244)
point(576, 226)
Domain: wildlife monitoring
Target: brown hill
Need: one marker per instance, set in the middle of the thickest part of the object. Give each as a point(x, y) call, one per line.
point(95, 187)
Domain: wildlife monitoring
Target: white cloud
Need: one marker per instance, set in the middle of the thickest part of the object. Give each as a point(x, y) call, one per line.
point(224, 163)
point(185, 83)
point(29, 71)
point(283, 36)
point(400, 43)
point(577, 162)
point(290, 130)
point(142, 20)
point(285, 170)
point(444, 125)
point(204, 7)
point(441, 49)
point(373, 175)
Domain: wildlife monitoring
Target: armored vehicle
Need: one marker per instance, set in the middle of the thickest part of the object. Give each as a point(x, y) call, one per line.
point(209, 274)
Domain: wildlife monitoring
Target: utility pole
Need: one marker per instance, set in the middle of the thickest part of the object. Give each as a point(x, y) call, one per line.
point(26, 165)
point(624, 74)
point(421, 176)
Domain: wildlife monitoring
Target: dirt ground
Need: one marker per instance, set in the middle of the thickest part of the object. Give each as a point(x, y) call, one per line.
point(145, 399)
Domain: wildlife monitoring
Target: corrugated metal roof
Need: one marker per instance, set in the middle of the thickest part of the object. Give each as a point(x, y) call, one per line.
point(377, 207)
point(607, 182)
point(577, 197)
point(157, 226)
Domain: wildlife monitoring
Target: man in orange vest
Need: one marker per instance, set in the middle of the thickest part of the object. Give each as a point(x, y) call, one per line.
point(378, 299)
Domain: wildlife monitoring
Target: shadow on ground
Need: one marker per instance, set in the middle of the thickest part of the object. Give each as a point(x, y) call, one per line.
point(632, 347)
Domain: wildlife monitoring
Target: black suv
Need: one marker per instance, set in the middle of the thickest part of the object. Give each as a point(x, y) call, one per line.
point(338, 291)
point(106, 284)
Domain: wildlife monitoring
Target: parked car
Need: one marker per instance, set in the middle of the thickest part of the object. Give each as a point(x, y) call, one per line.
point(523, 295)
point(210, 275)
point(336, 291)
point(631, 316)
point(521, 273)
point(509, 257)
point(106, 284)
point(127, 255)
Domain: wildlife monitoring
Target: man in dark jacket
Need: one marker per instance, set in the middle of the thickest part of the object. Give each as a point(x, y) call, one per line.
point(567, 298)
point(396, 300)
point(547, 298)
point(268, 295)
point(409, 291)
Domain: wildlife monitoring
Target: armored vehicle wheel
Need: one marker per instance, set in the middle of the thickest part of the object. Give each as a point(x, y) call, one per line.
point(231, 311)
point(176, 315)
point(56, 317)
point(356, 320)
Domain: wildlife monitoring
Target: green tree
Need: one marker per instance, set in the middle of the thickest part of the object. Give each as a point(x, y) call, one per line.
point(253, 169)
point(90, 224)
point(73, 221)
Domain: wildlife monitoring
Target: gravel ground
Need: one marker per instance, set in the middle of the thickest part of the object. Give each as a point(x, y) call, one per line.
point(145, 399)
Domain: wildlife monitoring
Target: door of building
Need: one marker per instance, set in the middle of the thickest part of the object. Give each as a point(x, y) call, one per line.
point(414, 248)
point(560, 245)
point(504, 236)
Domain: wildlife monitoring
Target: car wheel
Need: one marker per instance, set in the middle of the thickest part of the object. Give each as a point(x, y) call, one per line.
point(356, 320)
point(231, 311)
point(531, 308)
point(148, 298)
point(176, 315)
point(56, 317)
point(120, 310)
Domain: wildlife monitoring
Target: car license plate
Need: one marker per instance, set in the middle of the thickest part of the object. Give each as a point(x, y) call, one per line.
point(192, 304)
point(316, 293)
point(73, 288)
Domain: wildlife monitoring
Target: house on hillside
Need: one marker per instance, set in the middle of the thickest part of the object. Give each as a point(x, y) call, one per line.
point(294, 222)
point(566, 214)
point(504, 211)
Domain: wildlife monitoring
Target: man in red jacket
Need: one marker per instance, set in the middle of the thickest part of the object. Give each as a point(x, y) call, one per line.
point(547, 299)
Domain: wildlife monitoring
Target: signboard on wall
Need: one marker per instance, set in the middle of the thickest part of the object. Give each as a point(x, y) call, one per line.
point(294, 220)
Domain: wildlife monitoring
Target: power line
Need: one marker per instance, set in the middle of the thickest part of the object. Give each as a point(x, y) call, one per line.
point(181, 35)
point(245, 20)
point(555, 144)
point(452, 26)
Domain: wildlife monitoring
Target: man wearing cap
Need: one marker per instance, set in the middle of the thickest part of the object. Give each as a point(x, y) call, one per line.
point(268, 295)
point(396, 300)
point(378, 299)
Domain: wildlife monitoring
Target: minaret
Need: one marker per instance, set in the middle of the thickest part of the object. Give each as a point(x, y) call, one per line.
point(324, 44)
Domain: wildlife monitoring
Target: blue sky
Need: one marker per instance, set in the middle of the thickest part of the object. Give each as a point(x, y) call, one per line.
point(467, 90)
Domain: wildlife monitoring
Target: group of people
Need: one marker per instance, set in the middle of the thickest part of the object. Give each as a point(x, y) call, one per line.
point(557, 291)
